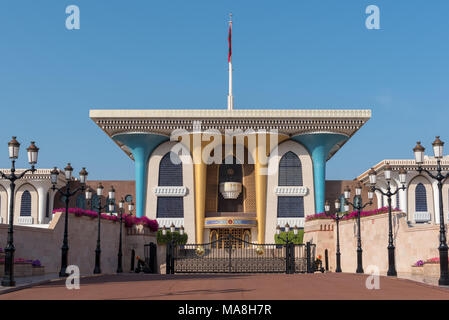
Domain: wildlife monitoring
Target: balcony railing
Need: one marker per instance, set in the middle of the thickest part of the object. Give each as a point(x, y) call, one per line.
point(25, 220)
point(422, 216)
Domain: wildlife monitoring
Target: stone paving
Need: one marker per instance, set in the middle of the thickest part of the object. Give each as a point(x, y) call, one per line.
point(326, 286)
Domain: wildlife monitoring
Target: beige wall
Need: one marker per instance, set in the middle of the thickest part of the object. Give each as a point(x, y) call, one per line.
point(272, 183)
point(415, 243)
point(45, 244)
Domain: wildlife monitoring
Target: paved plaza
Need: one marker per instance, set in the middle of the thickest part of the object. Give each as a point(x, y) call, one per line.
point(232, 287)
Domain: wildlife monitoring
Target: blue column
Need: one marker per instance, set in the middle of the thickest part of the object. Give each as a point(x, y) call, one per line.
point(141, 146)
point(319, 146)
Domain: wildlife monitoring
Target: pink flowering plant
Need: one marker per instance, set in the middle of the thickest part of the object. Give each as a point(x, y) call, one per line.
point(128, 220)
point(349, 215)
point(420, 263)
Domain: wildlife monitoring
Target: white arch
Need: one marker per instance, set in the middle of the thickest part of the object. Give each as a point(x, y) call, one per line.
point(187, 177)
point(411, 188)
point(272, 183)
point(34, 202)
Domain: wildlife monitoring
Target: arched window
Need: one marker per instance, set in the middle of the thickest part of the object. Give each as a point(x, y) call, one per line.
point(355, 201)
point(25, 206)
point(81, 202)
point(114, 210)
point(170, 174)
point(290, 174)
point(342, 203)
point(420, 198)
point(290, 170)
point(170, 170)
point(94, 202)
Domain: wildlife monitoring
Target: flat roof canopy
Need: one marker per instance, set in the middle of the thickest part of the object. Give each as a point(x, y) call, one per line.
point(290, 122)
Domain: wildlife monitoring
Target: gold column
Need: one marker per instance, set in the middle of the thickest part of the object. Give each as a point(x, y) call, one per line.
point(200, 199)
point(261, 189)
point(200, 174)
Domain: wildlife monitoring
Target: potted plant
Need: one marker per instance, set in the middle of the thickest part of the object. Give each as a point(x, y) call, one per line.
point(38, 269)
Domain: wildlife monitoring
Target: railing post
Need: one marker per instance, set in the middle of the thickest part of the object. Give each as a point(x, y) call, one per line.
point(168, 258)
point(230, 253)
point(309, 262)
point(326, 259)
point(289, 258)
point(172, 257)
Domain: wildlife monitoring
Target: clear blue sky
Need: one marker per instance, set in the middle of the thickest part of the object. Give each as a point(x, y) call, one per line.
point(167, 54)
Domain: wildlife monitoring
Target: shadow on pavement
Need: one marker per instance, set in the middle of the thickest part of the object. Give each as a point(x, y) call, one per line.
point(132, 277)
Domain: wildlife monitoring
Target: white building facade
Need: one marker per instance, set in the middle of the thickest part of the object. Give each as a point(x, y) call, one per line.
point(33, 198)
point(420, 199)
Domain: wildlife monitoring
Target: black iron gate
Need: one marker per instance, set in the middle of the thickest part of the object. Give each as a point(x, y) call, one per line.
point(234, 255)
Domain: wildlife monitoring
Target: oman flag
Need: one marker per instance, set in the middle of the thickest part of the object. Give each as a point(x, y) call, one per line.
point(230, 46)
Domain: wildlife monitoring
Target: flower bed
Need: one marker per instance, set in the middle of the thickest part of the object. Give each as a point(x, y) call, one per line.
point(128, 220)
point(18, 261)
point(349, 215)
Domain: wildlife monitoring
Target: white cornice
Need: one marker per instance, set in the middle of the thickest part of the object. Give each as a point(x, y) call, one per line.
point(407, 164)
point(230, 114)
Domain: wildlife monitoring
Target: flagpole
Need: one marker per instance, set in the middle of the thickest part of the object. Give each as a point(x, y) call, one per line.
point(230, 97)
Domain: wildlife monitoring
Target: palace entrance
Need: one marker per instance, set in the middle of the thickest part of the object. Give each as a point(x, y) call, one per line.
point(229, 254)
point(220, 237)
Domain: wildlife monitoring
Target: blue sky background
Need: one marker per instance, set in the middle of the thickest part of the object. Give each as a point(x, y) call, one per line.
point(173, 54)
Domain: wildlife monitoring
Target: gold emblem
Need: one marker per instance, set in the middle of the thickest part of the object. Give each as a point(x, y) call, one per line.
point(199, 251)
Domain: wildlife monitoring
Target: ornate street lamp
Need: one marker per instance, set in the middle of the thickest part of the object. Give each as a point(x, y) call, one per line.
point(357, 205)
point(99, 208)
point(67, 194)
point(13, 149)
point(337, 217)
point(419, 158)
point(372, 179)
point(287, 230)
point(121, 210)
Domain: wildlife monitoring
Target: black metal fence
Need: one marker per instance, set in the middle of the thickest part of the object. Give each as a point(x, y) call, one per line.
point(234, 255)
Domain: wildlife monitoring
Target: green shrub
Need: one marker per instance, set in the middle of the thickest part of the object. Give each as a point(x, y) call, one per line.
point(282, 237)
point(177, 237)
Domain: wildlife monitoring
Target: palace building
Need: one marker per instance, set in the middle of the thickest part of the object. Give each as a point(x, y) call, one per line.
point(230, 171)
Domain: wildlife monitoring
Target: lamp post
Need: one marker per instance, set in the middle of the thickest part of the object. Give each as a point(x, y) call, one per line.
point(99, 207)
point(358, 206)
point(13, 148)
point(372, 179)
point(287, 230)
point(67, 194)
point(419, 158)
point(119, 255)
point(337, 217)
point(289, 247)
